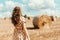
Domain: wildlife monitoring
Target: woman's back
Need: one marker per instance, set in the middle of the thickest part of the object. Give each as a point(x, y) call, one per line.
point(19, 32)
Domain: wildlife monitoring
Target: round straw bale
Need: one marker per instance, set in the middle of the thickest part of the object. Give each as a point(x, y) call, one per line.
point(40, 21)
point(53, 18)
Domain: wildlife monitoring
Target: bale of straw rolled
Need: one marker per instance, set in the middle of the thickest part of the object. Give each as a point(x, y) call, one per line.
point(35, 22)
point(53, 18)
point(40, 21)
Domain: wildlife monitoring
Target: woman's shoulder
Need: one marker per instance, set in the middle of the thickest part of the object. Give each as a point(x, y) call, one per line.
point(22, 18)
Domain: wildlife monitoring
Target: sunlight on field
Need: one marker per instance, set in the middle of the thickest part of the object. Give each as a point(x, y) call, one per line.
point(51, 32)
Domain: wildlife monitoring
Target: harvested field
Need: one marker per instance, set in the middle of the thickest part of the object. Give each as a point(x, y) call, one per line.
point(51, 32)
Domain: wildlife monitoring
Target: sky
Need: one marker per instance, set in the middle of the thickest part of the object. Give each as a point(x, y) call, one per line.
point(30, 7)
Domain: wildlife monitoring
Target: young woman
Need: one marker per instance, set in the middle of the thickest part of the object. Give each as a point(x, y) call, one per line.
point(20, 32)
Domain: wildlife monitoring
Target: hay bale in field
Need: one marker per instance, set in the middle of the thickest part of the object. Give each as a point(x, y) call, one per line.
point(39, 22)
point(35, 22)
point(5, 18)
point(28, 18)
point(53, 18)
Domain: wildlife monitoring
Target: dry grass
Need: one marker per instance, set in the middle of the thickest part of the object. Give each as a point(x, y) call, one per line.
point(51, 32)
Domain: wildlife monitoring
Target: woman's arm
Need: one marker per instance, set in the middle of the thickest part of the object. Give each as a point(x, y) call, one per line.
point(24, 29)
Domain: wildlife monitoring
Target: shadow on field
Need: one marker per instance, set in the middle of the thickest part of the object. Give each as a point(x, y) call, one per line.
point(31, 28)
